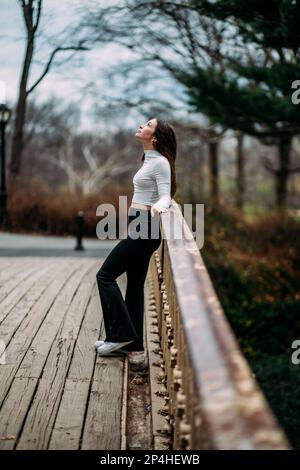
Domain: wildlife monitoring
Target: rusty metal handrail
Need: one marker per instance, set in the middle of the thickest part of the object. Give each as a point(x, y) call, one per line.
point(214, 401)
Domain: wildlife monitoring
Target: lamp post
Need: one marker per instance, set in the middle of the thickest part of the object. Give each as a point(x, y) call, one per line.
point(5, 114)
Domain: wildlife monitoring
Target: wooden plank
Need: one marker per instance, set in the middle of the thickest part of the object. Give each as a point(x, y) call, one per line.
point(35, 358)
point(39, 421)
point(17, 261)
point(17, 349)
point(13, 271)
point(15, 409)
point(92, 329)
point(68, 425)
point(102, 430)
point(16, 288)
point(67, 429)
point(11, 267)
point(105, 427)
point(5, 263)
point(74, 392)
point(18, 413)
point(23, 308)
point(82, 365)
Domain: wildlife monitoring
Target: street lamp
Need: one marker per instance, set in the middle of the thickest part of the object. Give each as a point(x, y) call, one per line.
point(5, 114)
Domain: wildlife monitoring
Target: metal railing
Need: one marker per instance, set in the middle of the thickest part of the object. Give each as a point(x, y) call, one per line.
point(214, 401)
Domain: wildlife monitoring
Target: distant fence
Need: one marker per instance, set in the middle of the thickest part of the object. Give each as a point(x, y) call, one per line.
point(214, 399)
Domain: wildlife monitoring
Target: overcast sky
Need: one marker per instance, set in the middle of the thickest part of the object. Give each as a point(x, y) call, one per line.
point(69, 81)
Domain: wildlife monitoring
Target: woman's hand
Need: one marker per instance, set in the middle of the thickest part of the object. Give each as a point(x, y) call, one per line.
point(157, 209)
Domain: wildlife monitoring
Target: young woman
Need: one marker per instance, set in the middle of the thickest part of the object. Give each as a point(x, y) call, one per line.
point(154, 186)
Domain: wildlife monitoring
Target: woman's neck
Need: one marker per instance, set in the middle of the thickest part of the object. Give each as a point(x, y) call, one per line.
point(151, 155)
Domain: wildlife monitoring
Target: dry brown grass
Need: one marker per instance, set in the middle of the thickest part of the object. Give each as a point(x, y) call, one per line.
point(34, 207)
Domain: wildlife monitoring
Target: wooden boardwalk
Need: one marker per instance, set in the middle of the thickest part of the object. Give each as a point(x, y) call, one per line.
point(55, 393)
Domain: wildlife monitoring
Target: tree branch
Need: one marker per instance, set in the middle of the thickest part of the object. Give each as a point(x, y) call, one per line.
point(48, 65)
point(39, 9)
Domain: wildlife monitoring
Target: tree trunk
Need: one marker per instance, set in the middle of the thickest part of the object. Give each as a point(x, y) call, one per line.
point(240, 181)
point(282, 173)
point(17, 137)
point(214, 172)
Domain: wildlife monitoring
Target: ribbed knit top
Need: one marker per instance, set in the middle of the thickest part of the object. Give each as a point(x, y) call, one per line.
point(152, 182)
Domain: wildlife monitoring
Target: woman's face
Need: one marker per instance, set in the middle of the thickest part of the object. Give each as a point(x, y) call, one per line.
point(146, 132)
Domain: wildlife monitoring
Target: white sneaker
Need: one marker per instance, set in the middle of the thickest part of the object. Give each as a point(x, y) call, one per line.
point(98, 343)
point(108, 348)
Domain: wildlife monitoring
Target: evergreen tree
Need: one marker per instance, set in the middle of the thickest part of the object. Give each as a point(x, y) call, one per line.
point(250, 88)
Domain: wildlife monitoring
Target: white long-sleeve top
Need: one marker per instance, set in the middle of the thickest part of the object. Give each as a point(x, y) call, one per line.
point(152, 182)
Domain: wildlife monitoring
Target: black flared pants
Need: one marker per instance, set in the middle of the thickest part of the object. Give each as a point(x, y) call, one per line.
point(124, 319)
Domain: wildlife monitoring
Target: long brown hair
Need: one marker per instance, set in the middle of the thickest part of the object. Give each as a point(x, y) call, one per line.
point(166, 145)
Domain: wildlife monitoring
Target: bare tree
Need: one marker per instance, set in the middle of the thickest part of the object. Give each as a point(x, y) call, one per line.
point(163, 43)
point(31, 11)
point(96, 174)
point(178, 37)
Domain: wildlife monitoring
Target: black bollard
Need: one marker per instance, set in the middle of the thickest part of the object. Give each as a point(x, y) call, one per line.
point(79, 230)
